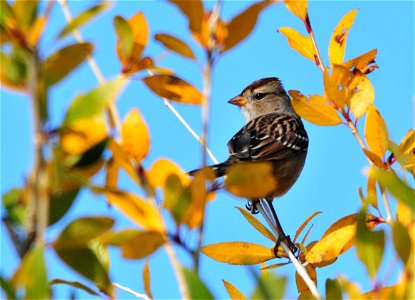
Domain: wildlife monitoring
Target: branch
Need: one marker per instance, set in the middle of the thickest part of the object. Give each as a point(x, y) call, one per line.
point(137, 295)
point(298, 266)
point(112, 109)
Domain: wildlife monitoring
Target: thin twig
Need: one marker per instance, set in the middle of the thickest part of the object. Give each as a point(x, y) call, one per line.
point(112, 109)
point(134, 293)
point(184, 291)
point(298, 266)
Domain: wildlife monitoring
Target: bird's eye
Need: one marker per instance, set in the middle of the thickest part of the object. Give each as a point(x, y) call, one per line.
point(259, 96)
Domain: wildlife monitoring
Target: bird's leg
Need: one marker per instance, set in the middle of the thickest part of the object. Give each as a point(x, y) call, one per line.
point(282, 237)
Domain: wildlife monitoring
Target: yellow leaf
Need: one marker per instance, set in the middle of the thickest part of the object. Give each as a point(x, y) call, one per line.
point(385, 292)
point(147, 280)
point(111, 178)
point(362, 94)
point(162, 169)
point(316, 109)
point(336, 85)
point(142, 212)
point(371, 189)
point(174, 88)
point(376, 133)
point(298, 8)
point(233, 292)
point(251, 180)
point(257, 225)
point(364, 63)
point(337, 45)
point(243, 24)
point(143, 244)
point(135, 136)
point(373, 157)
point(37, 30)
point(299, 42)
point(300, 229)
point(174, 44)
point(408, 142)
point(238, 253)
point(339, 238)
point(139, 26)
point(121, 159)
point(83, 134)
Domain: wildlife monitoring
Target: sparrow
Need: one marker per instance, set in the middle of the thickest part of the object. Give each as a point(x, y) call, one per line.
point(274, 133)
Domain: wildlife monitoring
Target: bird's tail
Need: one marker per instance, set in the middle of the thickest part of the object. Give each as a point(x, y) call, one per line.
point(219, 169)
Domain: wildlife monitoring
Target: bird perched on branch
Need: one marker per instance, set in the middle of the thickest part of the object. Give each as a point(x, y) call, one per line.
point(274, 133)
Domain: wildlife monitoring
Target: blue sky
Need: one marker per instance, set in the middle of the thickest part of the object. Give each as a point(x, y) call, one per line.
point(335, 163)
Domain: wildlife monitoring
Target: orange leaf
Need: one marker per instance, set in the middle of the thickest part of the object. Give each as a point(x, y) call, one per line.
point(302, 226)
point(121, 159)
point(193, 10)
point(233, 292)
point(174, 88)
point(147, 280)
point(257, 225)
point(251, 180)
point(298, 8)
point(195, 214)
point(142, 212)
point(111, 178)
point(373, 157)
point(408, 142)
point(337, 45)
point(243, 24)
point(143, 244)
point(316, 110)
point(376, 133)
point(174, 44)
point(299, 281)
point(363, 63)
point(238, 253)
point(37, 30)
point(362, 94)
point(135, 136)
point(162, 169)
point(299, 42)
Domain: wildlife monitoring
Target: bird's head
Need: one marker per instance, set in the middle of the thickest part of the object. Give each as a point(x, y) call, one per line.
point(263, 96)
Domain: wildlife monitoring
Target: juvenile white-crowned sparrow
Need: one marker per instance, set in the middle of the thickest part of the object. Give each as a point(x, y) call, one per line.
point(274, 133)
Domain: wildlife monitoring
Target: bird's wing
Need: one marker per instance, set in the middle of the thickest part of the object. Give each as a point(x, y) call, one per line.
point(269, 137)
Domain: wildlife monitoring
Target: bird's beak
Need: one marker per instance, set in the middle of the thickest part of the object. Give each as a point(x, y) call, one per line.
point(238, 100)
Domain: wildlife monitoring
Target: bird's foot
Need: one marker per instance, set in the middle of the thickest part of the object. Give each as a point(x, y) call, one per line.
point(293, 248)
point(251, 207)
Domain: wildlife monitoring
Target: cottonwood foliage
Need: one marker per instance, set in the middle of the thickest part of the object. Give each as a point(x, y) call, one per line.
point(94, 138)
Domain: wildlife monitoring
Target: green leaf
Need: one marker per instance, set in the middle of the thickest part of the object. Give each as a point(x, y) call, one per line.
point(13, 70)
point(75, 284)
point(333, 289)
point(92, 104)
point(177, 197)
point(25, 13)
point(82, 230)
point(369, 245)
point(125, 35)
point(84, 18)
point(196, 287)
point(396, 186)
point(32, 275)
point(257, 225)
point(401, 240)
point(12, 202)
point(269, 286)
point(6, 14)
point(8, 288)
point(85, 261)
point(60, 202)
point(58, 65)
